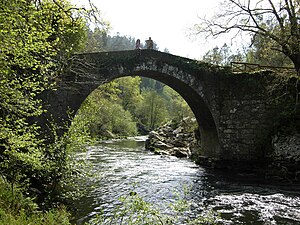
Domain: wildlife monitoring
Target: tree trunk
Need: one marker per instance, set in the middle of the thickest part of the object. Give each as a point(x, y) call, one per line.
point(296, 61)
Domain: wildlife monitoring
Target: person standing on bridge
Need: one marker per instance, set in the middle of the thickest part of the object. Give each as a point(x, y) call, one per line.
point(138, 47)
point(138, 44)
point(149, 43)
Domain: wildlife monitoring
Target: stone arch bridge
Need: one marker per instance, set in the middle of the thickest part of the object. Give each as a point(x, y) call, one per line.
point(234, 111)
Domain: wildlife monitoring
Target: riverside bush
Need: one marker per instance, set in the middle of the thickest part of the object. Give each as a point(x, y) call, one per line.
point(134, 210)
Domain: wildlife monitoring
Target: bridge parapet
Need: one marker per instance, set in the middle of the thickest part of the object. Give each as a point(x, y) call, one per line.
point(242, 67)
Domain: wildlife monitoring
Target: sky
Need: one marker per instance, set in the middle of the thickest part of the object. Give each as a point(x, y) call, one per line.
point(167, 22)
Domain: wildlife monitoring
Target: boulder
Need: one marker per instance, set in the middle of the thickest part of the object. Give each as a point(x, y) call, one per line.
point(179, 143)
point(172, 139)
point(285, 156)
point(154, 135)
point(181, 152)
point(162, 145)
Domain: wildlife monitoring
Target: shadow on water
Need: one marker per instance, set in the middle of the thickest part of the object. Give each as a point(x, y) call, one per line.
point(236, 198)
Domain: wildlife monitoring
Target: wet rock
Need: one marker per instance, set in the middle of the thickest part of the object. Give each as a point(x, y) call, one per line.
point(154, 135)
point(162, 145)
point(178, 143)
point(178, 130)
point(161, 152)
point(173, 139)
point(181, 152)
point(285, 157)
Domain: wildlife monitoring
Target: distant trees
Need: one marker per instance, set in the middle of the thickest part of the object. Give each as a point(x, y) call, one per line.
point(105, 112)
point(114, 109)
point(152, 111)
point(261, 52)
point(100, 40)
point(176, 106)
point(222, 56)
point(275, 21)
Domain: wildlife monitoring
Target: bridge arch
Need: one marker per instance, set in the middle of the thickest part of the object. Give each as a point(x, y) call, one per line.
point(206, 124)
point(89, 72)
point(230, 108)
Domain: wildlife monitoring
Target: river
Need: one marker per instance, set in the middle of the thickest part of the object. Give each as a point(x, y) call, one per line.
point(124, 165)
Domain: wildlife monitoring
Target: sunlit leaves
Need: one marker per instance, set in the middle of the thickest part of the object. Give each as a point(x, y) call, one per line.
point(134, 210)
point(152, 109)
point(36, 38)
point(102, 113)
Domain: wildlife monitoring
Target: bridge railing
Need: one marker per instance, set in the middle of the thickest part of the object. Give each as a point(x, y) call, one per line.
point(239, 67)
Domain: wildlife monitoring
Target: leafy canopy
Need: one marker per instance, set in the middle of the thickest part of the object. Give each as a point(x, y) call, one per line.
point(36, 38)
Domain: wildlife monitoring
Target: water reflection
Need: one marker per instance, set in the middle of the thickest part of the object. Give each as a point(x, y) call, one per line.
point(123, 164)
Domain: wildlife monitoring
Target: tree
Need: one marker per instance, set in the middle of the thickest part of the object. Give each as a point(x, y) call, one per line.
point(130, 93)
point(218, 56)
point(152, 111)
point(36, 37)
point(99, 40)
point(108, 110)
point(277, 21)
point(222, 56)
point(261, 52)
point(96, 40)
point(177, 106)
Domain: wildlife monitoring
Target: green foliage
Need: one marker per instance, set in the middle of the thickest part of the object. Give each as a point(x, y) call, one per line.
point(177, 107)
point(99, 40)
point(222, 56)
point(52, 217)
point(262, 52)
point(17, 209)
point(148, 83)
point(130, 93)
point(33, 38)
point(25, 59)
point(162, 105)
point(134, 210)
point(61, 167)
point(152, 110)
point(104, 112)
point(36, 38)
point(118, 42)
point(96, 40)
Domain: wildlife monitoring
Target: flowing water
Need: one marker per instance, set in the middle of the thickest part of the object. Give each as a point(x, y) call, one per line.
point(124, 165)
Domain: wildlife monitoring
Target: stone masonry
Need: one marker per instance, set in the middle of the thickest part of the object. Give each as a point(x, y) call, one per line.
point(235, 112)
